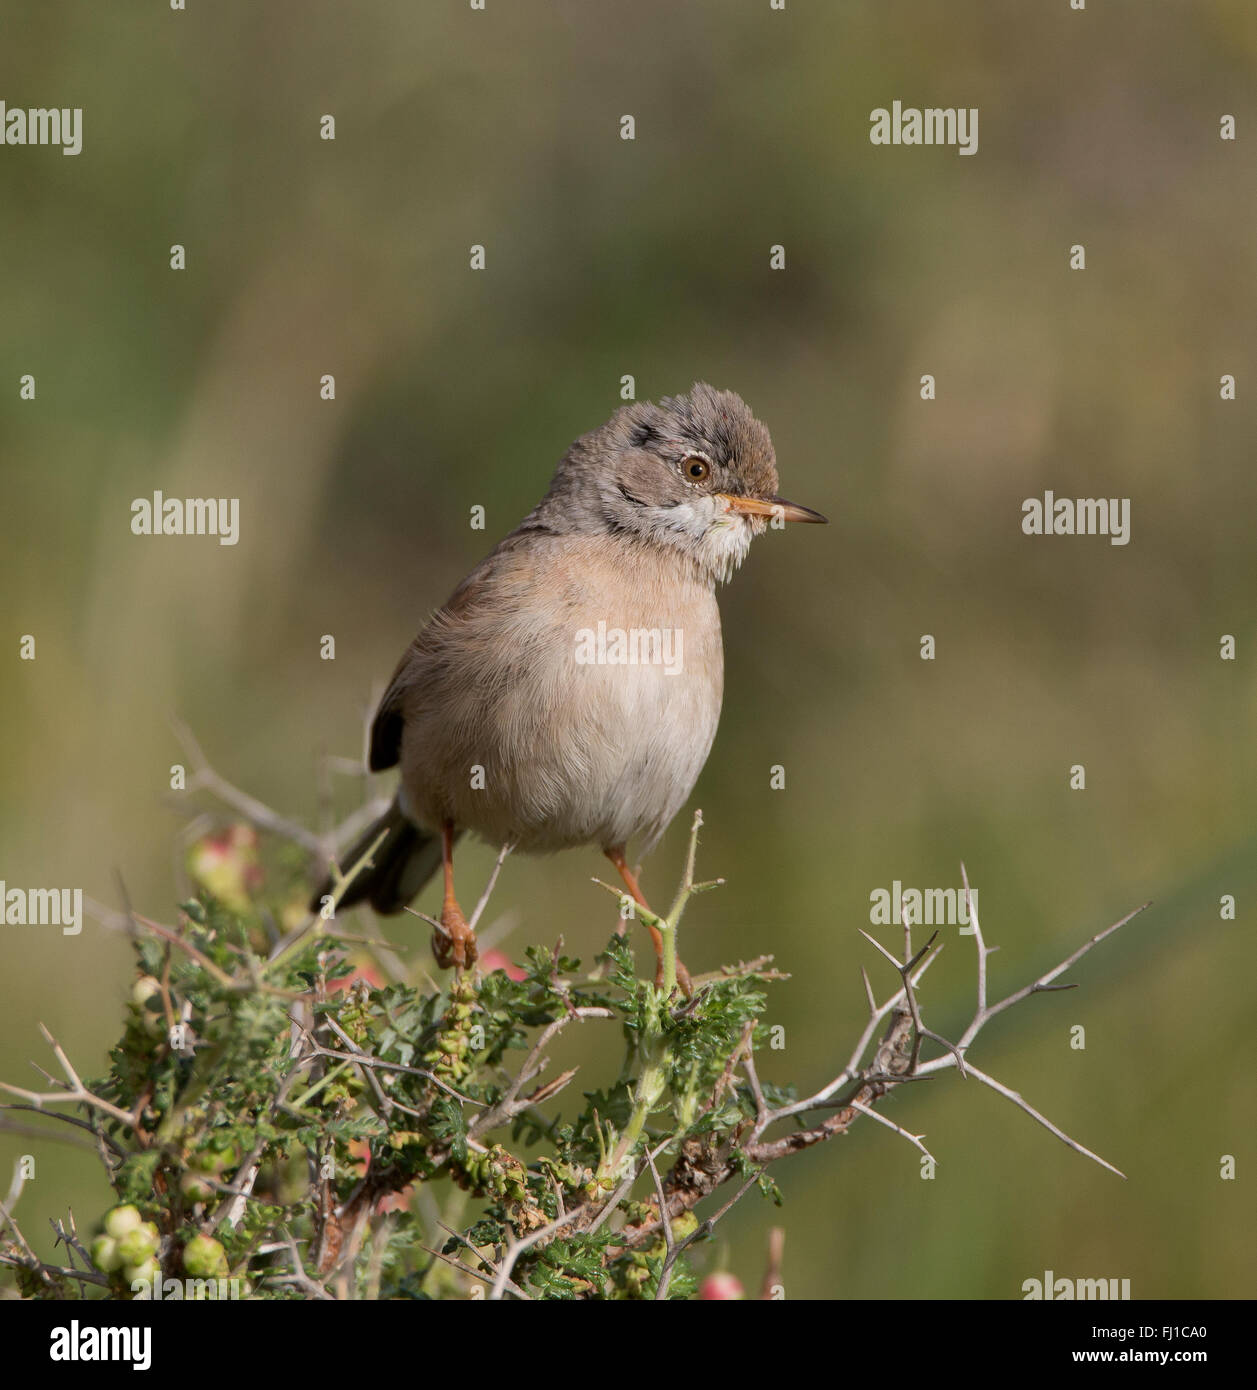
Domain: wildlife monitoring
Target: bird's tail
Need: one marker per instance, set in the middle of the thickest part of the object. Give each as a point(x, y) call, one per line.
point(402, 863)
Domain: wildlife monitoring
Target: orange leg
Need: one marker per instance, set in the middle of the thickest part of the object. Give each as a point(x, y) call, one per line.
point(455, 943)
point(616, 855)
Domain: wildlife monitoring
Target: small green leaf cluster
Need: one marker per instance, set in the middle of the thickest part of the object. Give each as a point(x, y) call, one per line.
point(280, 1110)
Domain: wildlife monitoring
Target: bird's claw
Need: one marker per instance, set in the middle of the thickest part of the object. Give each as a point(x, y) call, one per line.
point(455, 944)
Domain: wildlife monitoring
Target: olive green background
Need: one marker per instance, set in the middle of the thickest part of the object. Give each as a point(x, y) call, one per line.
point(456, 389)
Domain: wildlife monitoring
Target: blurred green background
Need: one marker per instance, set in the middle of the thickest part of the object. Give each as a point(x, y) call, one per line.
point(454, 388)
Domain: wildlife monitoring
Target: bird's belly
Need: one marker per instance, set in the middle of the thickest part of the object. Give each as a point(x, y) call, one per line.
point(596, 740)
point(634, 758)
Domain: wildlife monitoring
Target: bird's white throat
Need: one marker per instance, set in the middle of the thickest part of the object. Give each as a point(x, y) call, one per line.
point(720, 537)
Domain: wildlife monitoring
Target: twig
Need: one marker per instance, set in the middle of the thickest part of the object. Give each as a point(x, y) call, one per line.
point(509, 1105)
point(670, 1245)
point(698, 1171)
point(253, 810)
point(772, 1270)
point(299, 1276)
point(76, 1094)
point(489, 886)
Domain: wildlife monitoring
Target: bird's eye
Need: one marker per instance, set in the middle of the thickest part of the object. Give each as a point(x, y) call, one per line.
point(696, 469)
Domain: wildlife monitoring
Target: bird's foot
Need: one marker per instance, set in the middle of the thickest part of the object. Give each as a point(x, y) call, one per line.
point(455, 944)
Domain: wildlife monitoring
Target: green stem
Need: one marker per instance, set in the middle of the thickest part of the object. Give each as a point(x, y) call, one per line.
point(318, 1085)
point(649, 1088)
point(669, 933)
point(653, 1052)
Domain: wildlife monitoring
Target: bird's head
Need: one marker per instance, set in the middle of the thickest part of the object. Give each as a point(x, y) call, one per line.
point(695, 473)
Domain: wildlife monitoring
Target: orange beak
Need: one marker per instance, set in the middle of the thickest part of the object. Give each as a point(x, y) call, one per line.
point(771, 507)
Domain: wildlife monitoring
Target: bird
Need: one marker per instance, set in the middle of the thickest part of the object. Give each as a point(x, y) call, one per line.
point(568, 691)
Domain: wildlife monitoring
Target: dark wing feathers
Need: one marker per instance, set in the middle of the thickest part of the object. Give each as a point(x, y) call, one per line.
point(386, 729)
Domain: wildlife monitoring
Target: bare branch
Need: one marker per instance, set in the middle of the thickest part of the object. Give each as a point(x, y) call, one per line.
point(490, 885)
point(254, 811)
point(510, 1104)
point(772, 1270)
point(77, 1093)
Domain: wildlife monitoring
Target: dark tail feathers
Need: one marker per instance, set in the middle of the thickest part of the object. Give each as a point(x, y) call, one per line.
point(404, 861)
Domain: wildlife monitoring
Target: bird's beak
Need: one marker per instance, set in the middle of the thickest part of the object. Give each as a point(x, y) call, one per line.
point(771, 507)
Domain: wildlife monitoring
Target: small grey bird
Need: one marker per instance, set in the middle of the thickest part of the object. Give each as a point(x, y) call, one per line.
point(568, 692)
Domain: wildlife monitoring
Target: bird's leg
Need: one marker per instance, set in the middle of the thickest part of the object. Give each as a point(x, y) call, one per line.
point(455, 943)
point(616, 855)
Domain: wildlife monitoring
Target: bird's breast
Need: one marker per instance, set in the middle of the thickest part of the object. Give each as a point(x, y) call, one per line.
point(588, 708)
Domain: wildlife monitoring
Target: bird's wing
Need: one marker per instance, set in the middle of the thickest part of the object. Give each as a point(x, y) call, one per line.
point(386, 729)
